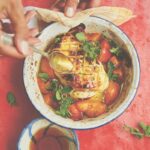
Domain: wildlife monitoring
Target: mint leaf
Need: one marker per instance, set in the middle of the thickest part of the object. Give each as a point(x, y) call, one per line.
point(134, 131)
point(43, 76)
point(11, 99)
point(80, 36)
point(145, 128)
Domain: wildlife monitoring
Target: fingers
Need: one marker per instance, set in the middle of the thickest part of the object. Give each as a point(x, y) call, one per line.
point(16, 15)
point(29, 15)
point(10, 51)
point(70, 7)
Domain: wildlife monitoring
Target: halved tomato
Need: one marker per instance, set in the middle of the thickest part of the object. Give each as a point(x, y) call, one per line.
point(48, 98)
point(111, 92)
point(45, 67)
point(75, 113)
point(115, 61)
point(93, 36)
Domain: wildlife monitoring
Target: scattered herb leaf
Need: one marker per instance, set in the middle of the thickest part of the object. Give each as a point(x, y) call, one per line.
point(11, 98)
point(43, 76)
point(80, 36)
point(145, 128)
point(134, 131)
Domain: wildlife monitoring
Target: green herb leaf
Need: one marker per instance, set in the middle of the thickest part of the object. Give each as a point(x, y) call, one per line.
point(57, 40)
point(43, 76)
point(66, 89)
point(145, 128)
point(134, 131)
point(63, 109)
point(91, 49)
point(115, 51)
point(114, 77)
point(80, 36)
point(54, 85)
point(11, 98)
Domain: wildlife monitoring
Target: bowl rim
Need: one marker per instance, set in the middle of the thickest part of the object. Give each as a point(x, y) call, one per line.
point(43, 119)
point(131, 98)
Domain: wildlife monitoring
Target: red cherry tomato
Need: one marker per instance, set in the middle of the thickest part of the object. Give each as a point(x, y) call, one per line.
point(75, 113)
point(111, 92)
point(105, 45)
point(119, 73)
point(104, 56)
point(48, 98)
point(115, 61)
point(93, 36)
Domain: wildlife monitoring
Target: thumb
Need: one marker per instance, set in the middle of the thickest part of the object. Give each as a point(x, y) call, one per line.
point(70, 7)
point(16, 15)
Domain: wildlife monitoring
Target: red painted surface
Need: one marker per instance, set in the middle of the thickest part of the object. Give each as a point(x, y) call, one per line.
point(108, 137)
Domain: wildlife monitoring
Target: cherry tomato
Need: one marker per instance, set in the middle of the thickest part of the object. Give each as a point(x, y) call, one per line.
point(119, 72)
point(45, 67)
point(115, 61)
point(111, 92)
point(49, 100)
point(104, 56)
point(93, 36)
point(75, 113)
point(105, 45)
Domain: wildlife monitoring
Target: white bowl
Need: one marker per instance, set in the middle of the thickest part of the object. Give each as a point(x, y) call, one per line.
point(40, 123)
point(31, 66)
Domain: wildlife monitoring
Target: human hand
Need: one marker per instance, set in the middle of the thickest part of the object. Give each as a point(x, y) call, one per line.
point(13, 10)
point(71, 6)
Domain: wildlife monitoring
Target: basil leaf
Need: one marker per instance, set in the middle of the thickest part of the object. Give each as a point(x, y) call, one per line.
point(111, 68)
point(54, 85)
point(80, 36)
point(11, 99)
point(115, 51)
point(66, 89)
point(63, 110)
point(43, 76)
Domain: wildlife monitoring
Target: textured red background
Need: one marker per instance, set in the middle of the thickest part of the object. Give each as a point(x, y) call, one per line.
point(110, 136)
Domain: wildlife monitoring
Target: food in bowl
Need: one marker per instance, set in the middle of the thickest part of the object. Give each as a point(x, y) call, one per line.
point(41, 134)
point(85, 74)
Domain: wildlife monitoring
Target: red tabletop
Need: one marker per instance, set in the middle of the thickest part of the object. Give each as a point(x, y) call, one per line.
point(108, 137)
